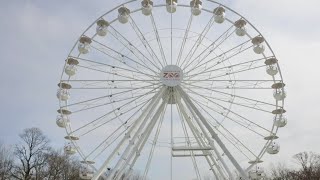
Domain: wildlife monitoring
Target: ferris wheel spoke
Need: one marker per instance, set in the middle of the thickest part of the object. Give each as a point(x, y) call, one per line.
point(201, 105)
point(111, 84)
point(186, 33)
point(250, 123)
point(238, 50)
point(113, 80)
point(230, 95)
point(239, 71)
point(96, 126)
point(106, 114)
point(122, 58)
point(110, 73)
point(104, 142)
point(107, 96)
point(250, 106)
point(227, 68)
point(114, 132)
point(144, 41)
point(122, 133)
point(88, 107)
point(244, 68)
point(198, 41)
point(132, 69)
point(155, 29)
point(212, 47)
point(134, 50)
point(247, 125)
point(114, 83)
point(231, 84)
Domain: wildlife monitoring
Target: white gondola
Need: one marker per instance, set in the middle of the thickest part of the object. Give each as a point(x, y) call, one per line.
point(172, 5)
point(257, 173)
point(272, 70)
point(102, 27)
point(84, 45)
point(63, 94)
point(196, 6)
point(259, 49)
point(258, 46)
point(146, 7)
point(62, 121)
point(69, 149)
point(280, 121)
point(273, 148)
point(279, 94)
point(124, 14)
point(219, 15)
point(86, 173)
point(241, 27)
point(71, 69)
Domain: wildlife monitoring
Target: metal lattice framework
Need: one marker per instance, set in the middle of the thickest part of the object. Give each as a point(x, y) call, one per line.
point(194, 84)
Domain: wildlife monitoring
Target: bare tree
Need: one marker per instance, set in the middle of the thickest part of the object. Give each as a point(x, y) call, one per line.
point(6, 162)
point(281, 172)
point(310, 164)
point(62, 166)
point(31, 154)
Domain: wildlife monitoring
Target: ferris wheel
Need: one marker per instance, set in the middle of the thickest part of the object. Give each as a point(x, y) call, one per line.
point(171, 89)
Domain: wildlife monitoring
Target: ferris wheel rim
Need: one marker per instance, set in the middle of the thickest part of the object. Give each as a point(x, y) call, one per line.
point(276, 128)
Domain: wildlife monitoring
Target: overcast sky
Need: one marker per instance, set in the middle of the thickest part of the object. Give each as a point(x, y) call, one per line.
point(37, 35)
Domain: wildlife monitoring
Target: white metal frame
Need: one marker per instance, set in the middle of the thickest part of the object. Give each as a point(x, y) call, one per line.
point(152, 111)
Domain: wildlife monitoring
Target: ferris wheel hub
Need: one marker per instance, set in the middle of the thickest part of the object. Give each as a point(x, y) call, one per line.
point(171, 75)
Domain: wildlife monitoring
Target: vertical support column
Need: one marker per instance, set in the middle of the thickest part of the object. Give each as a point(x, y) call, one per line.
point(188, 101)
point(132, 142)
point(145, 135)
point(211, 142)
point(151, 105)
point(201, 142)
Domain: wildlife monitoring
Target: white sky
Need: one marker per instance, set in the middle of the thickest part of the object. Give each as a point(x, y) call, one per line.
point(37, 35)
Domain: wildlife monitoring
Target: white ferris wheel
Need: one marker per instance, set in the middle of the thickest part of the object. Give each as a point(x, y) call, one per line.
point(171, 88)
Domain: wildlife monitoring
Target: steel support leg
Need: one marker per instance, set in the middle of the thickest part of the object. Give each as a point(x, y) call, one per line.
point(136, 150)
point(132, 142)
point(188, 101)
point(200, 141)
point(203, 129)
point(151, 105)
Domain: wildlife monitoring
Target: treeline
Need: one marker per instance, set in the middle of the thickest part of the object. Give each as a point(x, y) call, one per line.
point(34, 159)
point(308, 168)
